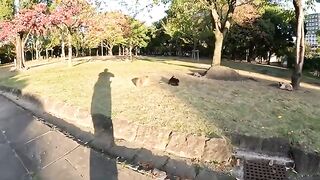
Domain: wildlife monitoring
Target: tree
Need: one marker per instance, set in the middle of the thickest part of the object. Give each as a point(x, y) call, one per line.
point(188, 21)
point(111, 32)
point(7, 9)
point(136, 35)
point(28, 21)
point(268, 32)
point(69, 15)
point(221, 12)
point(300, 44)
point(300, 41)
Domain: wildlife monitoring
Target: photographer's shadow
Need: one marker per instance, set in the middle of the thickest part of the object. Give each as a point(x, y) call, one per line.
point(103, 128)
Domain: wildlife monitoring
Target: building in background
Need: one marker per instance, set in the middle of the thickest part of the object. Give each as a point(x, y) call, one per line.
point(312, 22)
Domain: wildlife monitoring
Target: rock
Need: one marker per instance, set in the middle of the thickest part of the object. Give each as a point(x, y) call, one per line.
point(151, 137)
point(211, 175)
point(217, 150)
point(180, 168)
point(187, 146)
point(123, 129)
point(222, 73)
point(151, 159)
point(141, 81)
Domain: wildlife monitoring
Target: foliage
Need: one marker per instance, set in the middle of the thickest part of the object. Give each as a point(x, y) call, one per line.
point(110, 32)
point(269, 32)
point(34, 20)
point(188, 21)
point(136, 34)
point(7, 8)
point(312, 64)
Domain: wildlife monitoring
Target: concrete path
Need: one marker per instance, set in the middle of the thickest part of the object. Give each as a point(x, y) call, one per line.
point(30, 149)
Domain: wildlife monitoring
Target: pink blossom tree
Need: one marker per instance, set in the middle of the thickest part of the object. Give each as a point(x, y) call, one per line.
point(28, 21)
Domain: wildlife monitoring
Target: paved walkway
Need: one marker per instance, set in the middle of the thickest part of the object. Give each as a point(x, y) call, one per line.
point(31, 150)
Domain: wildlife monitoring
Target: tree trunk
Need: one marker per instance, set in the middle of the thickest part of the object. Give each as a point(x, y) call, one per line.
point(77, 52)
point(119, 50)
point(70, 49)
point(63, 52)
point(269, 57)
point(47, 54)
point(130, 52)
point(101, 48)
point(110, 53)
point(216, 61)
point(37, 50)
point(82, 52)
point(89, 51)
point(97, 52)
point(19, 61)
point(23, 54)
point(300, 44)
point(32, 55)
point(123, 51)
point(136, 51)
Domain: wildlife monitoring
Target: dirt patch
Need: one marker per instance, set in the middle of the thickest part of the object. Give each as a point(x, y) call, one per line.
point(223, 73)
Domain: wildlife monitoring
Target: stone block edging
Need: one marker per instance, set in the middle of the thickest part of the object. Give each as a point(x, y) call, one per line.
point(217, 150)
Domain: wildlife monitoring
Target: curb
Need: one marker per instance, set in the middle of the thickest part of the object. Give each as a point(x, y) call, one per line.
point(182, 150)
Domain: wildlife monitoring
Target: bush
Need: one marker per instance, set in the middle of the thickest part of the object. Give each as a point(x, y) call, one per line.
point(312, 64)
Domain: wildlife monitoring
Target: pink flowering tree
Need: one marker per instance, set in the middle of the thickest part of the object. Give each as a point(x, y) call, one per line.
point(17, 31)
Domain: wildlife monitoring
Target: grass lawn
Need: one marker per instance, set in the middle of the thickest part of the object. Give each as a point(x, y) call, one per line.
point(198, 105)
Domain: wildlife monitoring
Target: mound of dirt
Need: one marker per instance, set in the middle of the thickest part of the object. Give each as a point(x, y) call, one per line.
point(222, 73)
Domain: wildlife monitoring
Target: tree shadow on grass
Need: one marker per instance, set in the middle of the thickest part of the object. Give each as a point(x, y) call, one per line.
point(167, 61)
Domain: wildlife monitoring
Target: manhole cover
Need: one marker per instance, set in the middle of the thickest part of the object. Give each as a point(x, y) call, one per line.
point(262, 170)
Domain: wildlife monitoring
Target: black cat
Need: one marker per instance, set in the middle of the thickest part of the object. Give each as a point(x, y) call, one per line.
point(173, 81)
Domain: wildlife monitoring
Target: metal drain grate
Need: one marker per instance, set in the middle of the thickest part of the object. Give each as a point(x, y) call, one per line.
point(261, 170)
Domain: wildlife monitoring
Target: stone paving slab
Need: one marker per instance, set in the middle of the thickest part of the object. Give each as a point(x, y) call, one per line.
point(42, 153)
point(44, 150)
point(94, 166)
point(7, 109)
point(25, 128)
point(61, 170)
point(10, 166)
point(2, 138)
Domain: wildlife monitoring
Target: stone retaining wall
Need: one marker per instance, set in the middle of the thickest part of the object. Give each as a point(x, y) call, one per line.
point(189, 146)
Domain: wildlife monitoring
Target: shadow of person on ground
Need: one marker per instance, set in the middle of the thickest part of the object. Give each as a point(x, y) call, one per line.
point(102, 123)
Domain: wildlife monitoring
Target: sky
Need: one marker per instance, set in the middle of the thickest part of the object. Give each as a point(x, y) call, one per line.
point(142, 10)
point(157, 12)
point(316, 9)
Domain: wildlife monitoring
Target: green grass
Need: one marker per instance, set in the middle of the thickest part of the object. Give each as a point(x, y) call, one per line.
point(198, 105)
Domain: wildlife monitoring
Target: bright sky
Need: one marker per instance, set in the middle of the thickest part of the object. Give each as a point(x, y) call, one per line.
point(315, 9)
point(157, 12)
point(142, 10)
